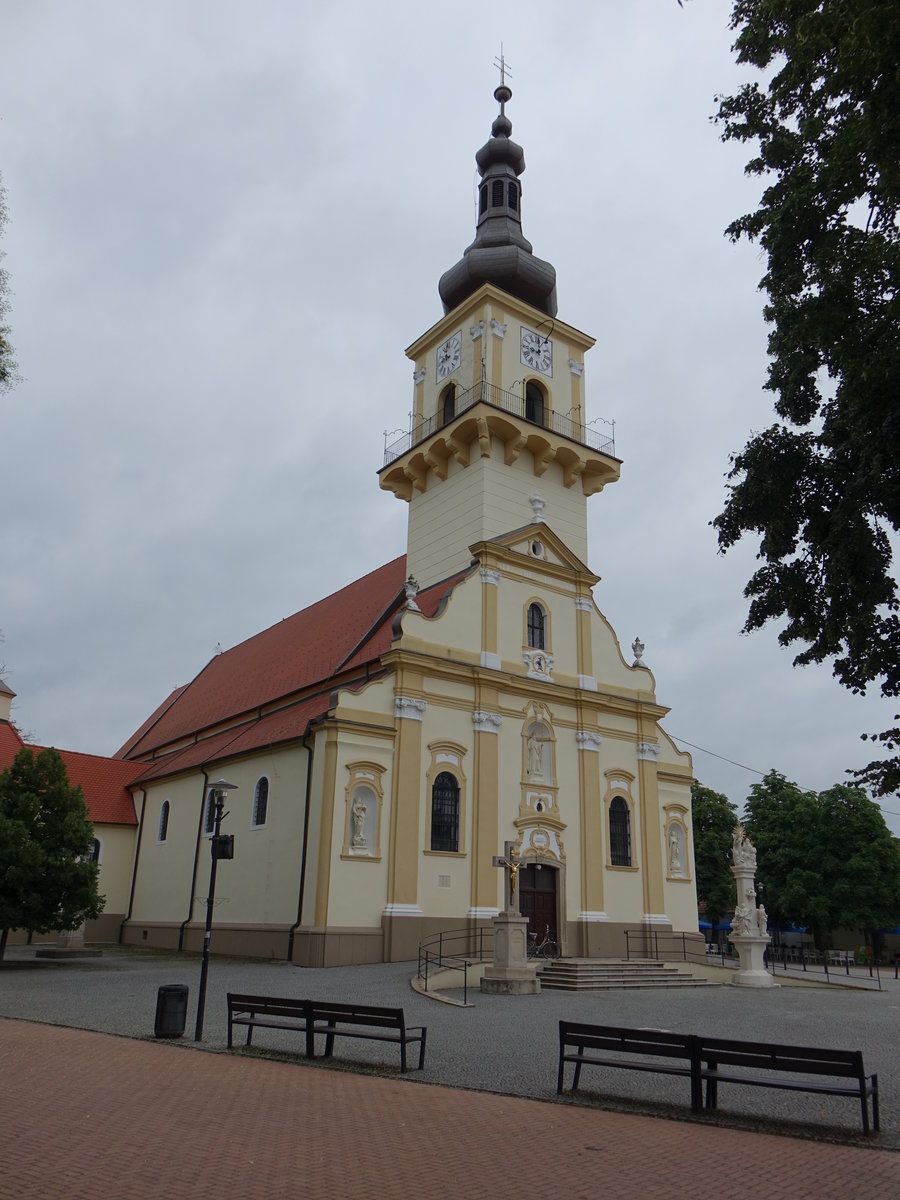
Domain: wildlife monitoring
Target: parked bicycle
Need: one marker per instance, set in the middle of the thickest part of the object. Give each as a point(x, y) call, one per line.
point(542, 946)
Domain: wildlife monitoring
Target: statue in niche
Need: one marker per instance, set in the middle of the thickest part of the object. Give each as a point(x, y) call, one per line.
point(675, 867)
point(742, 849)
point(358, 816)
point(535, 756)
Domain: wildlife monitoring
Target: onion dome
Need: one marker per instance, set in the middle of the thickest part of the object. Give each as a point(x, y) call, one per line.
point(500, 253)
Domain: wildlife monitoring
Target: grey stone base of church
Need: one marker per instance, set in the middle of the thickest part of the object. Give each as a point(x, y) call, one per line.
point(397, 939)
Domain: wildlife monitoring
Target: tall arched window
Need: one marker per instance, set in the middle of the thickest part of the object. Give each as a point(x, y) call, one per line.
point(619, 833)
point(445, 813)
point(448, 404)
point(537, 627)
point(260, 802)
point(163, 822)
point(534, 403)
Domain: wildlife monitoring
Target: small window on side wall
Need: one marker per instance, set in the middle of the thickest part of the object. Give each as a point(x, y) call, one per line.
point(163, 832)
point(445, 813)
point(260, 803)
point(619, 833)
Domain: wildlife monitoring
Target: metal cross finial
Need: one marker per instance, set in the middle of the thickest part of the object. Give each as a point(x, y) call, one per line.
point(501, 65)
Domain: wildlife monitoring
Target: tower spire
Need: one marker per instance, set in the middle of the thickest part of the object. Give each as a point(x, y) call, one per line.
point(500, 253)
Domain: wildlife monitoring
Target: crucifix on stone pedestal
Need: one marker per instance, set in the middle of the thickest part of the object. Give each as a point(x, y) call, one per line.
point(511, 865)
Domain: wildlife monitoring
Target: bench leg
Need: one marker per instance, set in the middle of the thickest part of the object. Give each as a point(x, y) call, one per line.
point(329, 1040)
point(559, 1077)
point(577, 1074)
point(696, 1086)
point(875, 1124)
point(712, 1090)
point(249, 1034)
point(310, 1038)
point(229, 1033)
point(403, 1055)
point(422, 1051)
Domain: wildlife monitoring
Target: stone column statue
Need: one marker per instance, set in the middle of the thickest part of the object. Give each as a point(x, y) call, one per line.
point(748, 927)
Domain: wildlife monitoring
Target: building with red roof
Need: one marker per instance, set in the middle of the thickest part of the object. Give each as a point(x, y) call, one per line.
point(105, 783)
point(382, 746)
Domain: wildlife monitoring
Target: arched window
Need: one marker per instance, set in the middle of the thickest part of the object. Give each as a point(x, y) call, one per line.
point(482, 200)
point(619, 833)
point(534, 403)
point(497, 193)
point(209, 816)
point(448, 404)
point(445, 813)
point(260, 803)
point(512, 196)
point(163, 832)
point(537, 627)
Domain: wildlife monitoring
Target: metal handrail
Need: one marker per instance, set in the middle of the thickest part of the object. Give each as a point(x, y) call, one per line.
point(480, 940)
point(488, 393)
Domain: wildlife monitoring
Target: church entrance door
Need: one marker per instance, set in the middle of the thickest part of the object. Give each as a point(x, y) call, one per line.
point(537, 899)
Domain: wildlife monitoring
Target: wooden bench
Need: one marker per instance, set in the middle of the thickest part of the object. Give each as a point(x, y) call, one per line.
point(595, 1045)
point(808, 1067)
point(330, 1019)
point(793, 1068)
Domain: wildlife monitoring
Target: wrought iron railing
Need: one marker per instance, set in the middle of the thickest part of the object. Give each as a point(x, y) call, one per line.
point(487, 393)
point(455, 950)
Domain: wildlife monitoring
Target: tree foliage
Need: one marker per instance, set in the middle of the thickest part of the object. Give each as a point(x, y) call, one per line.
point(826, 860)
point(48, 879)
point(821, 486)
point(8, 372)
point(714, 818)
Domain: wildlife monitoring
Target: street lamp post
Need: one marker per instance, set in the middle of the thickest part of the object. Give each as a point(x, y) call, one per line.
point(221, 846)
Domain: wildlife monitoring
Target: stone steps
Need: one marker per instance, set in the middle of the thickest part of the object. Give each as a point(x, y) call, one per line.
point(572, 975)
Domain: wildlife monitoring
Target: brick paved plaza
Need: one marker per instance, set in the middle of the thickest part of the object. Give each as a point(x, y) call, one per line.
point(91, 1114)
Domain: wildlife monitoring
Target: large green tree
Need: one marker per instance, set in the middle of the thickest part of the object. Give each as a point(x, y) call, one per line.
point(821, 486)
point(8, 373)
point(48, 879)
point(826, 860)
point(714, 818)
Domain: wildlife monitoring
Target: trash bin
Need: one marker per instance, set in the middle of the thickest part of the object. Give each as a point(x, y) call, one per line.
point(171, 1010)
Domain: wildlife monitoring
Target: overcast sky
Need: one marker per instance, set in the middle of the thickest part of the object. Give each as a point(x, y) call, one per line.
point(228, 220)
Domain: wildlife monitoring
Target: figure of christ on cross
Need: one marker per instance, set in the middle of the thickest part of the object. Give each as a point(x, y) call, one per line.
point(511, 865)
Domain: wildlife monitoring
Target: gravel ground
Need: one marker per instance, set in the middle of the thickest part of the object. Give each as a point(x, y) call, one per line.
point(500, 1044)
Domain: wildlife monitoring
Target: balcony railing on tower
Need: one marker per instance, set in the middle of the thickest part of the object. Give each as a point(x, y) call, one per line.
point(486, 393)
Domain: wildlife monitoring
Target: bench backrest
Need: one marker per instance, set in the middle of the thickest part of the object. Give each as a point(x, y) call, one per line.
point(357, 1014)
point(632, 1041)
point(810, 1060)
point(281, 1006)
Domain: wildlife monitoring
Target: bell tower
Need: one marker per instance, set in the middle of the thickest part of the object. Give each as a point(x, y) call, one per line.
point(499, 430)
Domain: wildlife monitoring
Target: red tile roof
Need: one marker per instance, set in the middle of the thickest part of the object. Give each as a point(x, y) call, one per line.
point(296, 663)
point(288, 658)
point(103, 780)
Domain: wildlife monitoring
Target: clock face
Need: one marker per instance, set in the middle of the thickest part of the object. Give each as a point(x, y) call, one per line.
point(537, 352)
point(449, 355)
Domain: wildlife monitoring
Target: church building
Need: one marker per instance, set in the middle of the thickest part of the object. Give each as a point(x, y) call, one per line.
point(386, 742)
